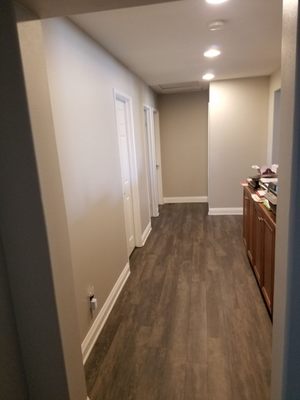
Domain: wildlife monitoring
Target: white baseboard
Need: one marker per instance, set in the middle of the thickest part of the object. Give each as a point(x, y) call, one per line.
point(146, 234)
point(226, 211)
point(90, 339)
point(195, 199)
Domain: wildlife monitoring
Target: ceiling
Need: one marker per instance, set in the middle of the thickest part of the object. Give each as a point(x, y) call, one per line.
point(164, 43)
point(59, 8)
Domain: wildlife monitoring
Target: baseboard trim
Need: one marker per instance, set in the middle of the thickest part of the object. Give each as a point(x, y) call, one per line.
point(90, 339)
point(194, 199)
point(226, 211)
point(146, 234)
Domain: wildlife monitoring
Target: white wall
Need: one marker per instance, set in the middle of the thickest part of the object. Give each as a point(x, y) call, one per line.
point(82, 77)
point(275, 84)
point(238, 133)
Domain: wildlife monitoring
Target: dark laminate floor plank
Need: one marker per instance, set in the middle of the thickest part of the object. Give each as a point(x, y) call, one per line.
point(190, 323)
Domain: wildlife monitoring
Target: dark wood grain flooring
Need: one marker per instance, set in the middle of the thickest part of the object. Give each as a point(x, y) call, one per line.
point(190, 323)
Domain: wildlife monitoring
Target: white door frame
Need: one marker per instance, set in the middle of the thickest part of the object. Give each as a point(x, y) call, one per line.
point(158, 155)
point(118, 95)
point(146, 151)
point(151, 165)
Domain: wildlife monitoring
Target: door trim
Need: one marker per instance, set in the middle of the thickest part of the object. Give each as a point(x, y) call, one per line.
point(118, 95)
point(156, 127)
point(151, 167)
point(147, 167)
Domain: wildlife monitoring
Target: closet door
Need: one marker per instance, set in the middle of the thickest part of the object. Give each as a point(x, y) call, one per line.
point(268, 260)
point(123, 133)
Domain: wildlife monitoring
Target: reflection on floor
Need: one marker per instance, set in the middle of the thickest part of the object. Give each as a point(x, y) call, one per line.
point(190, 323)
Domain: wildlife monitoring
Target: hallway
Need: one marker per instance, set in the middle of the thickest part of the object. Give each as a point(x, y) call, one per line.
point(190, 323)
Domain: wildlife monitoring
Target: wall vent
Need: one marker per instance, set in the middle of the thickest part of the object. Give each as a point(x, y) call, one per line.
point(179, 87)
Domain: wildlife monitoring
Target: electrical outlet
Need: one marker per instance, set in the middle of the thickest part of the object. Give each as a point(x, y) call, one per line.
point(93, 303)
point(91, 291)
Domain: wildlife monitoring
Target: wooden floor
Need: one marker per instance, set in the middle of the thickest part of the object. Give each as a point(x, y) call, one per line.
point(190, 323)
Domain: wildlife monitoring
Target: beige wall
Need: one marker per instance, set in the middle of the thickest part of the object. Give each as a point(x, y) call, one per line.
point(34, 65)
point(238, 132)
point(184, 130)
point(275, 84)
point(82, 77)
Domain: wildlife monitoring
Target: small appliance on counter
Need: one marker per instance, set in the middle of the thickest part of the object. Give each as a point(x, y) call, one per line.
point(253, 181)
point(265, 183)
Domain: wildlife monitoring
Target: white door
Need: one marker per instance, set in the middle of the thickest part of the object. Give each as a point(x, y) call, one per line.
point(148, 159)
point(123, 126)
point(158, 157)
point(151, 161)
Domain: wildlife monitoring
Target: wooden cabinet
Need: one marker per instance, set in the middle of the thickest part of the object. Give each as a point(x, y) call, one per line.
point(251, 222)
point(258, 243)
point(268, 263)
point(259, 236)
point(246, 215)
point(248, 225)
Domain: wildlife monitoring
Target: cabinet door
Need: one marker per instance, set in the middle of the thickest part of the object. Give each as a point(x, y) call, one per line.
point(248, 225)
point(258, 238)
point(246, 214)
point(268, 261)
point(251, 224)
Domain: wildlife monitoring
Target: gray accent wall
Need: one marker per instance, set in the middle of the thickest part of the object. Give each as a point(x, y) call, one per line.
point(184, 135)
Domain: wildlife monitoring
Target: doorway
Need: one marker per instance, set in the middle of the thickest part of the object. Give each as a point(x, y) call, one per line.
point(123, 107)
point(158, 156)
point(151, 161)
point(276, 127)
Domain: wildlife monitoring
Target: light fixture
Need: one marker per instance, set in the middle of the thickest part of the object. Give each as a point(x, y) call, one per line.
point(218, 25)
point(208, 76)
point(215, 1)
point(212, 52)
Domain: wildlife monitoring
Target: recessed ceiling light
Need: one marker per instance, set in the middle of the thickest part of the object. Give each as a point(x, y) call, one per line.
point(216, 25)
point(212, 52)
point(208, 77)
point(215, 1)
